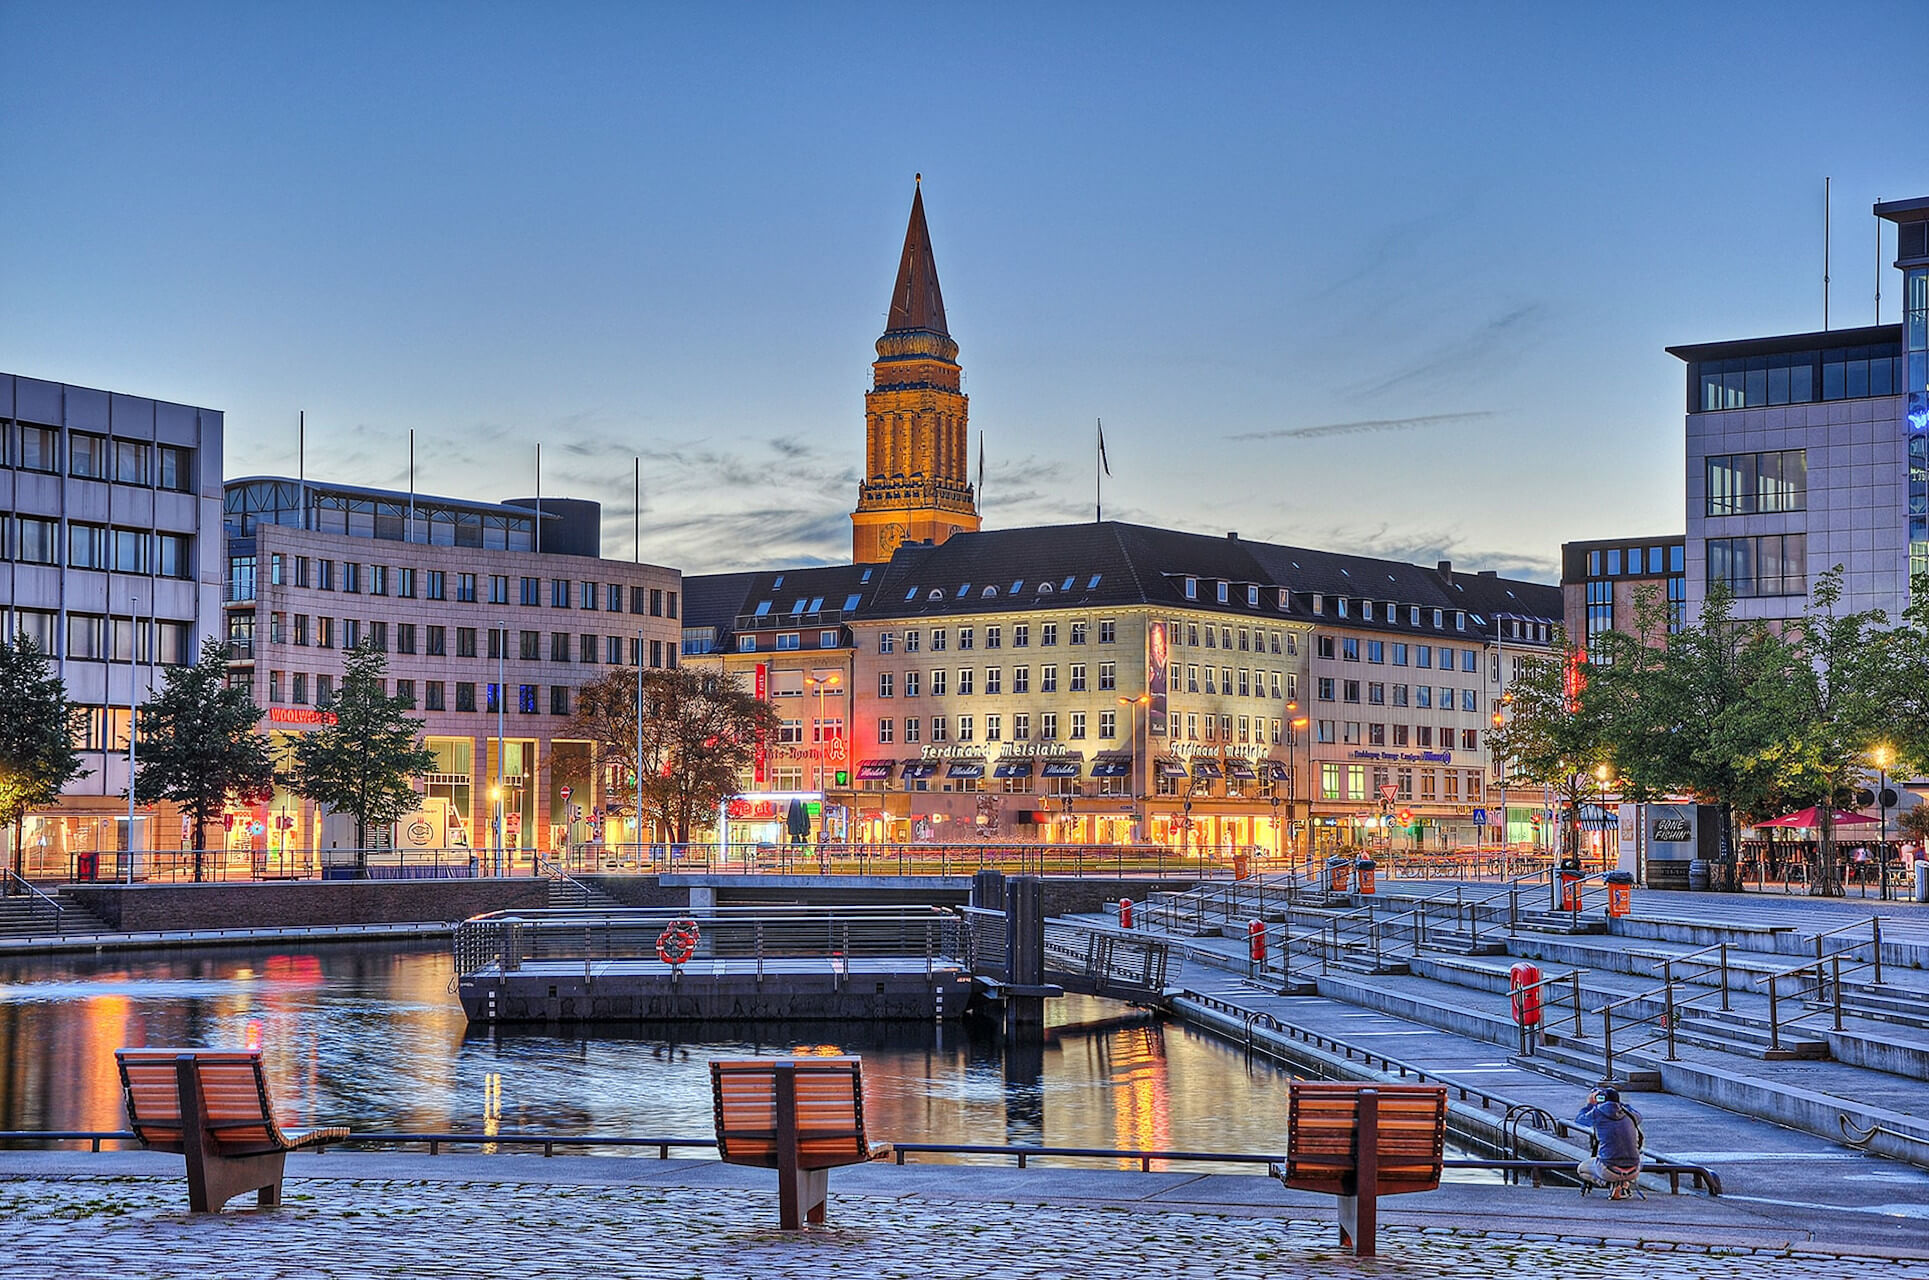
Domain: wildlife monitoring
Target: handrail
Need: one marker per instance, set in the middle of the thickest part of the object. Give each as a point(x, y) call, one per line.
point(1674, 1170)
point(1572, 979)
point(13, 877)
point(1827, 970)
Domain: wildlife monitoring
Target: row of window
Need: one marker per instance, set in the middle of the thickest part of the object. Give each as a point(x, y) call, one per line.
point(1077, 631)
point(1796, 377)
point(325, 632)
point(1242, 682)
point(88, 456)
point(1376, 694)
point(1349, 782)
point(1746, 484)
point(294, 687)
point(1348, 733)
point(39, 540)
point(964, 728)
point(1637, 562)
point(355, 578)
point(1349, 648)
point(100, 638)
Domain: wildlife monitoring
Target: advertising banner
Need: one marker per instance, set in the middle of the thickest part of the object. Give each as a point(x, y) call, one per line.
point(761, 758)
point(1158, 654)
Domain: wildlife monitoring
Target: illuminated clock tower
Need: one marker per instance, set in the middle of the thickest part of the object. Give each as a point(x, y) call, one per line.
point(916, 459)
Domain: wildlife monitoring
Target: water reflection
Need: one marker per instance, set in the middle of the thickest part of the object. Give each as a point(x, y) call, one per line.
point(374, 1038)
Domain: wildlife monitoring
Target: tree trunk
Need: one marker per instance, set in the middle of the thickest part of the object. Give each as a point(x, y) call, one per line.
point(19, 854)
point(361, 848)
point(1825, 881)
point(200, 840)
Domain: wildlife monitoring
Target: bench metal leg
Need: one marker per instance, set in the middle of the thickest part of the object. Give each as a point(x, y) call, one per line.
point(1360, 1212)
point(215, 1179)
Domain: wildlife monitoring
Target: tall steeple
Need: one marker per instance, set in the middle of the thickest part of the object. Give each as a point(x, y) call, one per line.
point(916, 485)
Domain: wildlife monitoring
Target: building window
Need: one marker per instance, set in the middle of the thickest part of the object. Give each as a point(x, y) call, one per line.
point(965, 675)
point(1020, 727)
point(938, 682)
point(435, 584)
point(465, 696)
point(1742, 484)
point(994, 728)
point(433, 696)
point(558, 699)
point(994, 680)
point(1774, 564)
point(886, 731)
point(910, 684)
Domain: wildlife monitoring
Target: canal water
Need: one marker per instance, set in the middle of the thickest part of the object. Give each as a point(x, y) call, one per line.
point(373, 1037)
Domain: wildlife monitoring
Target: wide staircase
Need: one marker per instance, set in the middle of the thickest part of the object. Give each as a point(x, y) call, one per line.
point(38, 913)
point(1773, 1014)
point(566, 891)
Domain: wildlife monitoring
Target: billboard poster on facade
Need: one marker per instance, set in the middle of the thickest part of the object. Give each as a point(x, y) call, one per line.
point(760, 761)
point(1157, 655)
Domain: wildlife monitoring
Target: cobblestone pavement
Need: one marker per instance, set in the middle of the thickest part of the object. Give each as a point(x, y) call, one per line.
point(367, 1228)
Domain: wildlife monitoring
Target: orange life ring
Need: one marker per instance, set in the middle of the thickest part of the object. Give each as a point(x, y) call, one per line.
point(678, 941)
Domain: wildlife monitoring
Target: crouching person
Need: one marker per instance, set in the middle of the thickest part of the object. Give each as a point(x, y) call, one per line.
point(1616, 1127)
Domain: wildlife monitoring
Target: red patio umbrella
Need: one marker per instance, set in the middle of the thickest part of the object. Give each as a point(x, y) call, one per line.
point(1811, 819)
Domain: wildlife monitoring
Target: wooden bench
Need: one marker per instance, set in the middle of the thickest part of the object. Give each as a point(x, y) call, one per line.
point(1360, 1142)
point(802, 1117)
point(211, 1105)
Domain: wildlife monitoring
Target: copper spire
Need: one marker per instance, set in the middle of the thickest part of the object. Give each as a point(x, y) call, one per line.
point(916, 302)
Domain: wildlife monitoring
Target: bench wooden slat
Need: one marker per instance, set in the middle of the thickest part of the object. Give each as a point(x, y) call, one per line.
point(1336, 1145)
point(801, 1117)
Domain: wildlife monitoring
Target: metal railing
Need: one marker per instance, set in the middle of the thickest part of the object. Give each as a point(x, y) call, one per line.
point(39, 901)
point(1022, 1156)
point(512, 938)
point(1676, 972)
point(962, 858)
point(1822, 977)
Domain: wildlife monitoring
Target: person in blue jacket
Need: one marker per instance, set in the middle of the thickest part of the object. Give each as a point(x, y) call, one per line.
point(1616, 1127)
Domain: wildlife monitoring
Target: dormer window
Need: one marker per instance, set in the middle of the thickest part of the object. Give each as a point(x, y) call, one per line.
point(1225, 589)
point(1252, 596)
point(1413, 615)
point(1439, 618)
point(1459, 620)
point(1192, 588)
point(937, 593)
point(989, 593)
point(1044, 588)
point(1285, 598)
point(1366, 610)
point(1341, 606)
point(1319, 603)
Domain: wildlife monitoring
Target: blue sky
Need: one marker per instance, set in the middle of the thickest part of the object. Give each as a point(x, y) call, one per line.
point(671, 232)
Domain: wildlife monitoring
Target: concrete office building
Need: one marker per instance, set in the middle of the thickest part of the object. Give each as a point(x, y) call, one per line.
point(1811, 450)
point(468, 611)
point(110, 554)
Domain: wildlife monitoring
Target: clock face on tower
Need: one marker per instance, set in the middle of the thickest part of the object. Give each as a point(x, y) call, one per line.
point(890, 538)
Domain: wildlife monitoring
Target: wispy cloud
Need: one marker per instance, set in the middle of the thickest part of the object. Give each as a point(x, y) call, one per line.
point(1364, 426)
point(1506, 332)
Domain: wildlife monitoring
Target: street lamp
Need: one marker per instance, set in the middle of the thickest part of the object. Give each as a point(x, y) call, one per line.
point(1294, 723)
point(818, 682)
point(1139, 762)
point(133, 724)
point(1883, 757)
point(502, 696)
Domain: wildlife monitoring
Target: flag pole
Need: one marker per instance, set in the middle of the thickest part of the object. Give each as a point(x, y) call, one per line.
point(1098, 476)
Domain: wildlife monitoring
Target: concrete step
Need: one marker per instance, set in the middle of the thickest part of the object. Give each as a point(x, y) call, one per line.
point(1750, 1042)
point(1883, 1004)
point(1368, 966)
point(1584, 1065)
point(1568, 924)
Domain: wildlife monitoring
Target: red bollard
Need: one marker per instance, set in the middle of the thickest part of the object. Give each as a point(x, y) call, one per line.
point(1256, 939)
point(1125, 913)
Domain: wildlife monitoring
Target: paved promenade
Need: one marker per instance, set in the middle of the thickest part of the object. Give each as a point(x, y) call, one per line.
point(358, 1216)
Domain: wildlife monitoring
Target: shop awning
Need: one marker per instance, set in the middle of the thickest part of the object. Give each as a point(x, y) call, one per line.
point(1062, 768)
point(873, 770)
point(966, 769)
point(1112, 767)
point(915, 769)
point(1595, 818)
point(1012, 769)
point(1170, 768)
point(1238, 768)
point(1203, 768)
point(1276, 771)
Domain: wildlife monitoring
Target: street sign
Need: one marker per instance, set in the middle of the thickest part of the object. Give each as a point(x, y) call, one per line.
point(514, 823)
point(1388, 790)
point(1480, 817)
point(565, 794)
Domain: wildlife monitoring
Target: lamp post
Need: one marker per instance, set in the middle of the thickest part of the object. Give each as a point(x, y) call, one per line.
point(1294, 723)
point(1882, 759)
point(818, 682)
point(1141, 763)
point(133, 723)
point(636, 771)
point(502, 696)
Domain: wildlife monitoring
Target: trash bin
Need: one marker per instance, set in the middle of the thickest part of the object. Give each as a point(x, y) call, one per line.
point(1620, 892)
point(1337, 877)
point(1364, 868)
point(1569, 882)
point(1242, 865)
point(1698, 874)
point(1922, 880)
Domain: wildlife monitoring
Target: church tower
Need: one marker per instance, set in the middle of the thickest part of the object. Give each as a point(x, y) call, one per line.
point(916, 457)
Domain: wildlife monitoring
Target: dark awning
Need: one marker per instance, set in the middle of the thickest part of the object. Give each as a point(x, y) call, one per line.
point(966, 769)
point(1276, 771)
point(1062, 768)
point(1203, 768)
point(1238, 768)
point(872, 770)
point(914, 769)
point(1012, 769)
point(1112, 767)
point(1170, 768)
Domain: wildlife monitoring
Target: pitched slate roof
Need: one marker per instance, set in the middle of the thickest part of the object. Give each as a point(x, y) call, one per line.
point(916, 302)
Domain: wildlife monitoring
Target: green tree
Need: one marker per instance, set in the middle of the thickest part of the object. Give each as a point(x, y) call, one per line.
point(1554, 735)
point(366, 763)
point(199, 744)
point(37, 754)
point(1815, 713)
point(1676, 711)
point(700, 734)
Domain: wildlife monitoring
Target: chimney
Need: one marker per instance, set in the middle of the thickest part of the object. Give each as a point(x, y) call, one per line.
point(1445, 569)
point(1232, 535)
point(1490, 573)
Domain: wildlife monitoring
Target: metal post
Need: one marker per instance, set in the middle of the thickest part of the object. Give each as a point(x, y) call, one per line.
point(1835, 980)
point(1607, 1041)
point(1724, 977)
point(638, 762)
point(1875, 934)
point(1576, 976)
point(1774, 1020)
point(133, 723)
point(502, 697)
point(1668, 1010)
